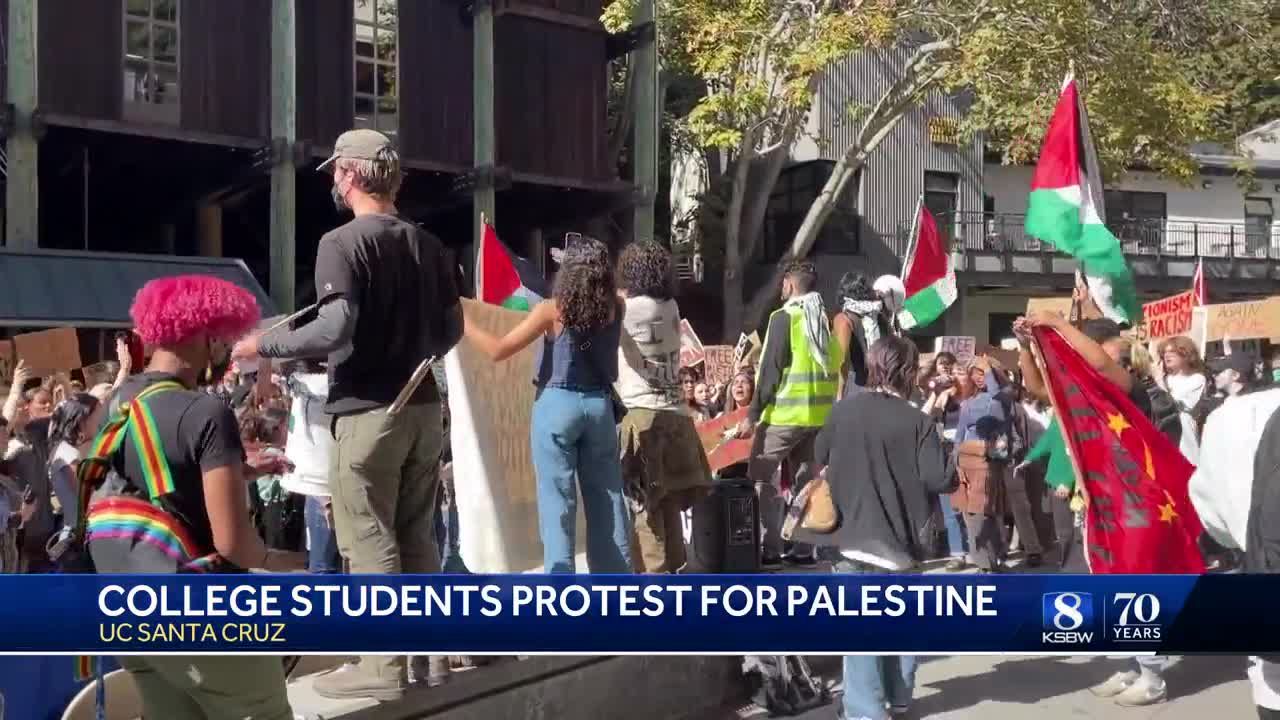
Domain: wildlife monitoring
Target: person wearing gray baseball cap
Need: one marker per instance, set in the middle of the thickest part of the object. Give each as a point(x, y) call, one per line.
point(387, 299)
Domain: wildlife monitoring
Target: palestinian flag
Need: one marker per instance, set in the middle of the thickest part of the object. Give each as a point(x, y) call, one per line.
point(927, 275)
point(504, 278)
point(1065, 208)
point(1139, 518)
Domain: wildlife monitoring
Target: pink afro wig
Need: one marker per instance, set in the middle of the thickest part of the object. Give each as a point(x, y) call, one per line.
point(174, 310)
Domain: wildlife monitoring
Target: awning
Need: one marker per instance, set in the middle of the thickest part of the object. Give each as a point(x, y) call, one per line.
point(56, 288)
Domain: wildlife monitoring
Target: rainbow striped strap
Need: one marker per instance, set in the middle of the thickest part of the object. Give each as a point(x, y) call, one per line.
point(93, 469)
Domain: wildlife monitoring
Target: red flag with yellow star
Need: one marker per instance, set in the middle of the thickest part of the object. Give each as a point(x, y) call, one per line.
point(1139, 518)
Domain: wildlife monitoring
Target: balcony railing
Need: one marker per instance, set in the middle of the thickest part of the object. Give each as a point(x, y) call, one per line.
point(972, 232)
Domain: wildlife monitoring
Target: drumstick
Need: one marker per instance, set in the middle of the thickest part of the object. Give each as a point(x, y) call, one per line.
point(410, 387)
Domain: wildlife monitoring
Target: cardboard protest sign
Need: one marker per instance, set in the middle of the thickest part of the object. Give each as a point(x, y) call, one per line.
point(49, 350)
point(691, 350)
point(964, 347)
point(1008, 359)
point(7, 362)
point(97, 374)
point(1243, 320)
point(1060, 305)
point(491, 406)
point(722, 453)
point(1169, 317)
point(718, 365)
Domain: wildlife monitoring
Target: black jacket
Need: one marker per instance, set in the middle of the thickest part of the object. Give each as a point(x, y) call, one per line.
point(1262, 534)
point(884, 474)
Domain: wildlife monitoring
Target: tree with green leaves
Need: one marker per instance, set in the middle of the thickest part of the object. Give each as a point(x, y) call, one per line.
point(760, 62)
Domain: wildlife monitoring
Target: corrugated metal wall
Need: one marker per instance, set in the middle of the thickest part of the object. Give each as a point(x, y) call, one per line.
point(893, 178)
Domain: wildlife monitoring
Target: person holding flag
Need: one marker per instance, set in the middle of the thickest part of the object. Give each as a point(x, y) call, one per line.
point(1132, 480)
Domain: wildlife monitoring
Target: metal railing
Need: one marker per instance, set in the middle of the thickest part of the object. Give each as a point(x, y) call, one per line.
point(1000, 233)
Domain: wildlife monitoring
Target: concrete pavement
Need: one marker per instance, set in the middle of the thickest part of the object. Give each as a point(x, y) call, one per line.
point(1054, 688)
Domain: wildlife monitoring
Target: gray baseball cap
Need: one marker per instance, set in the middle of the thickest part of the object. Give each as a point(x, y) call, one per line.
point(358, 145)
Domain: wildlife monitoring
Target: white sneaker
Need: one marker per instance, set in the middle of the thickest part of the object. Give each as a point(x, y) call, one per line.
point(1146, 690)
point(1115, 684)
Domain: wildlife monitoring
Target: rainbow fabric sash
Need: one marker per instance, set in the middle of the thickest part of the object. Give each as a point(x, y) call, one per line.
point(129, 518)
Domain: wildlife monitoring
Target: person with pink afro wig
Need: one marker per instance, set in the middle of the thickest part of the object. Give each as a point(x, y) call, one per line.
point(170, 312)
point(190, 322)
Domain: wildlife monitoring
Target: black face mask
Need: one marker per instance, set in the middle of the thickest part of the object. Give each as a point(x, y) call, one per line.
point(339, 202)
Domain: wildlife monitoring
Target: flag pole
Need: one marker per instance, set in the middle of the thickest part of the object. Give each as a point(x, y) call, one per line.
point(1057, 396)
point(914, 239)
point(479, 275)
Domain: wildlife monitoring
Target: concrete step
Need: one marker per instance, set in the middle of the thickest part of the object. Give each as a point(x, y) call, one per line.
point(553, 688)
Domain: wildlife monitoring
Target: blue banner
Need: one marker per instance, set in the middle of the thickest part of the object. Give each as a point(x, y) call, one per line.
point(527, 614)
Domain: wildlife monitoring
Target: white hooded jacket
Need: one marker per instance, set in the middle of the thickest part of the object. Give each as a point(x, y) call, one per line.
point(1222, 486)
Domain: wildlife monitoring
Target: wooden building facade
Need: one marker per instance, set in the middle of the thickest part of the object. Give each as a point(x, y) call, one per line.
point(176, 95)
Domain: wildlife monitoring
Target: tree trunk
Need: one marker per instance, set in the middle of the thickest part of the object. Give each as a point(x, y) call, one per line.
point(733, 256)
point(917, 78)
point(621, 132)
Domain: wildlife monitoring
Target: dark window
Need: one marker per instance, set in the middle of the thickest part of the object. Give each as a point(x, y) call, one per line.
point(151, 68)
point(1258, 216)
point(942, 198)
point(797, 188)
point(1137, 218)
point(999, 327)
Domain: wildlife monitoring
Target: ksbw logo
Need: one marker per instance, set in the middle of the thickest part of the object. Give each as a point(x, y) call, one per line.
point(1067, 618)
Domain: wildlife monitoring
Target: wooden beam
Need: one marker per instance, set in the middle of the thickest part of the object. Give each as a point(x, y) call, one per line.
point(209, 229)
point(160, 132)
point(484, 140)
point(546, 14)
point(284, 174)
point(647, 108)
point(22, 147)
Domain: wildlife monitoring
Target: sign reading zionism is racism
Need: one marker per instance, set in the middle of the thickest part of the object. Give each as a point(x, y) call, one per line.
point(1169, 317)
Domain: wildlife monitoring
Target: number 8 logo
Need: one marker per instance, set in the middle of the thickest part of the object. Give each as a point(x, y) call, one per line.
point(1067, 606)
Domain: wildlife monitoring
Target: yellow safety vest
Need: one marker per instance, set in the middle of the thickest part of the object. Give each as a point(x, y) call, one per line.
point(806, 393)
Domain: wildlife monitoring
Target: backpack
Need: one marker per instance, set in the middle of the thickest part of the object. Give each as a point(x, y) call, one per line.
point(784, 684)
point(1166, 413)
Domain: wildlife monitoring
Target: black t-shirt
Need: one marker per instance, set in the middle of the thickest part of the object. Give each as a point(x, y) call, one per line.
point(401, 281)
point(198, 433)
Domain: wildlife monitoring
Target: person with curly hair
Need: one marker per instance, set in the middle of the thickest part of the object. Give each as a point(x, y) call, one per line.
point(201, 503)
point(665, 469)
point(573, 429)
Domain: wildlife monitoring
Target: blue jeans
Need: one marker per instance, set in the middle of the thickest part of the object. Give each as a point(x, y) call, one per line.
point(574, 437)
point(955, 528)
point(322, 543)
point(871, 682)
point(447, 536)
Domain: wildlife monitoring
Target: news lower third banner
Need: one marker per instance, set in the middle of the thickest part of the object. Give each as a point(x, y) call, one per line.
point(694, 614)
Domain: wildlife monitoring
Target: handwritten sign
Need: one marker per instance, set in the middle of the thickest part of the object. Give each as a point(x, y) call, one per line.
point(1061, 305)
point(49, 350)
point(691, 350)
point(7, 361)
point(719, 364)
point(1169, 317)
point(964, 347)
point(722, 453)
point(491, 409)
point(1243, 320)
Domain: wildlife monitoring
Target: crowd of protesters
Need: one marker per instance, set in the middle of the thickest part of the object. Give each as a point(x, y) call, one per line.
point(323, 476)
